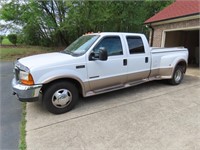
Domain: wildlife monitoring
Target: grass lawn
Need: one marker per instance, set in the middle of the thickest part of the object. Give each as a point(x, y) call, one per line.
point(6, 42)
point(11, 53)
point(22, 141)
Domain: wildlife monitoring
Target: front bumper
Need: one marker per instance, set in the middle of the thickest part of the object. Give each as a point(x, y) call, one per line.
point(26, 93)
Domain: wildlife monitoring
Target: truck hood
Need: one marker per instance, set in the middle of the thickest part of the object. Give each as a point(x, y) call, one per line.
point(49, 59)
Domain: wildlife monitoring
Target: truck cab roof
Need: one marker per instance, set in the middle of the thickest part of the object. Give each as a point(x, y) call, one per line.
point(113, 33)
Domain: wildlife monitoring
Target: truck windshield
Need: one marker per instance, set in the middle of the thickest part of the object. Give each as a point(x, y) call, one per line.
point(81, 45)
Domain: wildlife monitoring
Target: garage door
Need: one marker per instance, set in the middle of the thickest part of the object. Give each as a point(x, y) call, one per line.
point(188, 39)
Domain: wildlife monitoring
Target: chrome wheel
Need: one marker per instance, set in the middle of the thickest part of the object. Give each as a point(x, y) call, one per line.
point(178, 76)
point(61, 98)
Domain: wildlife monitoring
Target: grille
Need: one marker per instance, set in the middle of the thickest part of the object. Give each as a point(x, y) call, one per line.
point(17, 74)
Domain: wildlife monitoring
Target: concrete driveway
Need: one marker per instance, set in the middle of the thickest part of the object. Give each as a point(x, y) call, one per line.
point(151, 116)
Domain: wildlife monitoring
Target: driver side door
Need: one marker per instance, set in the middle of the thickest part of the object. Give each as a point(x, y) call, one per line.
point(109, 74)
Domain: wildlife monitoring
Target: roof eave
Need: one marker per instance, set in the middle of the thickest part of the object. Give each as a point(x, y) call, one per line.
point(179, 18)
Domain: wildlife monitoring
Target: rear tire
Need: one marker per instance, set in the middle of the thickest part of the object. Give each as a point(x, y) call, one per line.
point(177, 76)
point(60, 97)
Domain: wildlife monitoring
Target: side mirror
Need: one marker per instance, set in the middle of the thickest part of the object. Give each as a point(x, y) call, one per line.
point(92, 56)
point(103, 54)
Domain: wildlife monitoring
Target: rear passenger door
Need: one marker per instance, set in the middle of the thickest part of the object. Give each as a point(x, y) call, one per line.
point(138, 59)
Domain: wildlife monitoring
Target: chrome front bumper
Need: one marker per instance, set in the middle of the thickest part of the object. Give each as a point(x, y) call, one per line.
point(26, 93)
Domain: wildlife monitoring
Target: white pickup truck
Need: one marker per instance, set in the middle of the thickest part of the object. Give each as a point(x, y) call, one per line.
point(95, 63)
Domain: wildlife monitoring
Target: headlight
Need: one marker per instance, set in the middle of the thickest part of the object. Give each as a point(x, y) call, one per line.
point(26, 78)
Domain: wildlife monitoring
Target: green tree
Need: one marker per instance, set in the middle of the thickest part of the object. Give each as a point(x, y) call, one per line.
point(152, 7)
point(1, 39)
point(12, 38)
point(58, 23)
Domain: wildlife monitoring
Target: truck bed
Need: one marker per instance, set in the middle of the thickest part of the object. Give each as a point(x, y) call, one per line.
point(164, 59)
point(171, 49)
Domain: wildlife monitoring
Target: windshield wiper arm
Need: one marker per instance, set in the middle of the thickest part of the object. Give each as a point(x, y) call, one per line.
point(66, 52)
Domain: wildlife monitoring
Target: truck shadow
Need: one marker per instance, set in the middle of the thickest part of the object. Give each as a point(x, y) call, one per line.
point(145, 89)
point(122, 93)
point(127, 95)
point(117, 96)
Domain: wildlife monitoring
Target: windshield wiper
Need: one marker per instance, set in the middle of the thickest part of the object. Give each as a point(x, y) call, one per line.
point(66, 52)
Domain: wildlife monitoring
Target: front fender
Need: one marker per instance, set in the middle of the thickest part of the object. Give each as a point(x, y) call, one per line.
point(44, 76)
point(54, 75)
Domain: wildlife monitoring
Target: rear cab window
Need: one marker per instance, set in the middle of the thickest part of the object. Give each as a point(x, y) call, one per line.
point(135, 45)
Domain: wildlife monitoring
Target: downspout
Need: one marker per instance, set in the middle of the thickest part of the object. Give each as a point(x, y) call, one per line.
point(152, 35)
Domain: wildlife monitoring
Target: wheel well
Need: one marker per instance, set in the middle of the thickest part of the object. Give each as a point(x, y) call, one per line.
point(183, 65)
point(75, 82)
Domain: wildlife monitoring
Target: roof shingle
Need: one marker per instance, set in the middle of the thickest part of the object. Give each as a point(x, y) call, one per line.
point(179, 8)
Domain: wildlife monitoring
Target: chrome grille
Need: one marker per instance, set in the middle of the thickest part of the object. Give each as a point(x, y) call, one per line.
point(16, 73)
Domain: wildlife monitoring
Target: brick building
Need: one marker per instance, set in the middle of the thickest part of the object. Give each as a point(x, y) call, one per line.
point(177, 25)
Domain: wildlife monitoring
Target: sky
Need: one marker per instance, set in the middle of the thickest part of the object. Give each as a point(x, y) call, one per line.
point(6, 31)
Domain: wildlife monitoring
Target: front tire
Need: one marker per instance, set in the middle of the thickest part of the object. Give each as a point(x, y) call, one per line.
point(60, 97)
point(177, 76)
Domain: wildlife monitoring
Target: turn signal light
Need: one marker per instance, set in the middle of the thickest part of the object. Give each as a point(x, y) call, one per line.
point(29, 81)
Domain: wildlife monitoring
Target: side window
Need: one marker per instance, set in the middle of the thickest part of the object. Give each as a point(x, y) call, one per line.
point(112, 44)
point(135, 44)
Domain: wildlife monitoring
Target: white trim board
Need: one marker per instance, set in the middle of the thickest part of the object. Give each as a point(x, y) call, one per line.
point(177, 29)
point(184, 18)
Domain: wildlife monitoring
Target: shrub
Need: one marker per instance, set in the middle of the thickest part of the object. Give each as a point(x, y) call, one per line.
point(12, 38)
point(20, 39)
